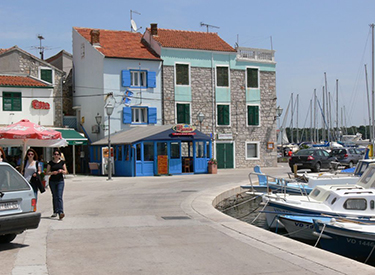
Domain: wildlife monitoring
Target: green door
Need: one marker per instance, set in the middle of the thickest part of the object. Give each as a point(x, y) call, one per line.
point(224, 154)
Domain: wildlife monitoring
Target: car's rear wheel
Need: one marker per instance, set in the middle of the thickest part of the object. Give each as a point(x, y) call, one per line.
point(351, 164)
point(316, 168)
point(7, 238)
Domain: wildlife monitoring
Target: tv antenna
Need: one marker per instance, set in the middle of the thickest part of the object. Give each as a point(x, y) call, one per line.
point(133, 26)
point(209, 26)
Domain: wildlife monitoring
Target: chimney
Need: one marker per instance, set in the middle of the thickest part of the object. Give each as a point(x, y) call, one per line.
point(95, 38)
point(154, 29)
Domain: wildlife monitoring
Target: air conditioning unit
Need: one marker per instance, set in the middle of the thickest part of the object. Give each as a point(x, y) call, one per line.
point(95, 129)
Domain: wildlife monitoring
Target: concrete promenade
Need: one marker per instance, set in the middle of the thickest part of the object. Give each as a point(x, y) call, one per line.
point(159, 225)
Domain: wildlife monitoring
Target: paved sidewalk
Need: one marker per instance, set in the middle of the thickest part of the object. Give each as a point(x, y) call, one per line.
point(159, 225)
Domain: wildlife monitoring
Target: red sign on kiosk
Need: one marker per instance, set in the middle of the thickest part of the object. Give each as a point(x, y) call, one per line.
point(40, 105)
point(183, 130)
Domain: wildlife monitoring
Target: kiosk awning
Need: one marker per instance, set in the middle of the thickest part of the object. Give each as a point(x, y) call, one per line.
point(72, 136)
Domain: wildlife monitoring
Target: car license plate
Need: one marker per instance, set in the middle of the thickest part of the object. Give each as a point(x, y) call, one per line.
point(8, 205)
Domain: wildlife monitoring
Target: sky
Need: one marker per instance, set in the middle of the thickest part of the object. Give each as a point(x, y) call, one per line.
point(311, 39)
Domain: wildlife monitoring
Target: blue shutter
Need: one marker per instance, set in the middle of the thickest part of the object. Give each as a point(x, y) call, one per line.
point(125, 78)
point(127, 115)
point(151, 79)
point(152, 119)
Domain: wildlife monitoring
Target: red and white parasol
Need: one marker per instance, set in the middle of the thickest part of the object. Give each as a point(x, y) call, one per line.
point(27, 133)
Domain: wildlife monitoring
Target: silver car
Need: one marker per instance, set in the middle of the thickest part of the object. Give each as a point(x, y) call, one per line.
point(17, 204)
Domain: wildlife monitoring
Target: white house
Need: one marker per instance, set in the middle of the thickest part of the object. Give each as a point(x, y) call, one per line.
point(118, 63)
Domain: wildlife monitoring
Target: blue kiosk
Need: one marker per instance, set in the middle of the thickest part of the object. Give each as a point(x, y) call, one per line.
point(154, 150)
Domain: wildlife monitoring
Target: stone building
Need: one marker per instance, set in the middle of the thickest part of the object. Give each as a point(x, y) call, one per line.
point(17, 63)
point(234, 90)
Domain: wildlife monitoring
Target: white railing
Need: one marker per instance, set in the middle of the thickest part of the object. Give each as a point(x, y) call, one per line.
point(261, 55)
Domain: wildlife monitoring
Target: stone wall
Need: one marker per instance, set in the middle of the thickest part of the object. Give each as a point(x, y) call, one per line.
point(202, 101)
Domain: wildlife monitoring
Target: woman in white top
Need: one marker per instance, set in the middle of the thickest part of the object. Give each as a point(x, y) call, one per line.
point(31, 171)
point(2, 155)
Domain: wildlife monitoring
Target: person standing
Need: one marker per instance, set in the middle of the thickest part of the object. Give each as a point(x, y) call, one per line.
point(56, 168)
point(31, 172)
point(2, 155)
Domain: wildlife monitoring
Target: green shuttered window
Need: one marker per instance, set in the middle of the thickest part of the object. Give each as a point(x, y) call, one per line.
point(252, 115)
point(46, 75)
point(223, 116)
point(183, 113)
point(182, 74)
point(252, 78)
point(222, 76)
point(12, 101)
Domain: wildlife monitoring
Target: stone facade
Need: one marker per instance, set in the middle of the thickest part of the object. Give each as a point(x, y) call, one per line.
point(202, 88)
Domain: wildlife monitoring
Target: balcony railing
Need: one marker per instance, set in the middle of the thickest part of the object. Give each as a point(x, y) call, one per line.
point(260, 55)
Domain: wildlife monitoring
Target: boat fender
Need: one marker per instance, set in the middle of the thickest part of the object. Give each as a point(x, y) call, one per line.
point(324, 236)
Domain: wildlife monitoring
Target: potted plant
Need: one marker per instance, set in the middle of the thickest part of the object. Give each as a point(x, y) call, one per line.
point(212, 166)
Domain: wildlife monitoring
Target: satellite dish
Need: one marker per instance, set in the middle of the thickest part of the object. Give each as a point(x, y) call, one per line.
point(134, 26)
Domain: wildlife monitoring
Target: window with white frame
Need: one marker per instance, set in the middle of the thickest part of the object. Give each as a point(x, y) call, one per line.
point(252, 76)
point(182, 74)
point(252, 150)
point(46, 74)
point(223, 114)
point(222, 76)
point(138, 78)
point(183, 113)
point(139, 115)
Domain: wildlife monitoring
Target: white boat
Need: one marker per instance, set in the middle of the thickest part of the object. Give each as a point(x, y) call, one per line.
point(354, 201)
point(305, 182)
point(355, 240)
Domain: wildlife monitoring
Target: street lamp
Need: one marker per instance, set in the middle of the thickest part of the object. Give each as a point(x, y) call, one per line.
point(109, 109)
point(200, 119)
point(98, 119)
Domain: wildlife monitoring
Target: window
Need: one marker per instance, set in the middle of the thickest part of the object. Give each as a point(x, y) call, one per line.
point(139, 115)
point(223, 116)
point(199, 149)
point(355, 204)
point(148, 149)
point(138, 78)
point(252, 150)
point(136, 115)
point(12, 101)
point(253, 115)
point(46, 74)
point(182, 74)
point(175, 150)
point(252, 78)
point(222, 77)
point(183, 113)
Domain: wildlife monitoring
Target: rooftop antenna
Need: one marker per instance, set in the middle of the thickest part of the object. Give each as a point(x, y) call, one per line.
point(41, 48)
point(133, 26)
point(209, 26)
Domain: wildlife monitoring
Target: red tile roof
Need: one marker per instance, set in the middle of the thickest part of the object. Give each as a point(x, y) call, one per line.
point(4, 50)
point(192, 40)
point(20, 81)
point(120, 44)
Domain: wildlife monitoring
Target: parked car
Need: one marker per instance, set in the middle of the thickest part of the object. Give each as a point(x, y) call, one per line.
point(347, 156)
point(17, 204)
point(314, 159)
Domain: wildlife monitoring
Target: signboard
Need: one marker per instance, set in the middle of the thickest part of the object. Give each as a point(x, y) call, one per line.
point(224, 136)
point(163, 165)
point(39, 105)
point(183, 130)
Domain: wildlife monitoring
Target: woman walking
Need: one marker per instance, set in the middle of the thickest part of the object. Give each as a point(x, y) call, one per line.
point(56, 168)
point(2, 155)
point(31, 172)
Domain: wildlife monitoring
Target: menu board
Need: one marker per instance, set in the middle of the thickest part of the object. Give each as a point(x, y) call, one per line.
point(162, 164)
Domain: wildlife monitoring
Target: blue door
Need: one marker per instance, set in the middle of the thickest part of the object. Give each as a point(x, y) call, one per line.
point(200, 157)
point(175, 166)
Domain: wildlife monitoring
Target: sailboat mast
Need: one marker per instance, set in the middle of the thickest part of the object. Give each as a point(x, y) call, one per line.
point(297, 118)
point(337, 109)
point(292, 109)
point(368, 103)
point(372, 83)
point(327, 114)
point(315, 126)
point(311, 125)
point(323, 119)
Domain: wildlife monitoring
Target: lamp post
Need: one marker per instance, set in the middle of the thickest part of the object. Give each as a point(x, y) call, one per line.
point(279, 112)
point(98, 119)
point(200, 119)
point(109, 109)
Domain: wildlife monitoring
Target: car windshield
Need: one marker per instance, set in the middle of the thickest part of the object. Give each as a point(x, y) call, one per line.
point(10, 180)
point(337, 152)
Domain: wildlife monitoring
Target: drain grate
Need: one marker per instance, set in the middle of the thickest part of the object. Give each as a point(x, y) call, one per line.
point(175, 218)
